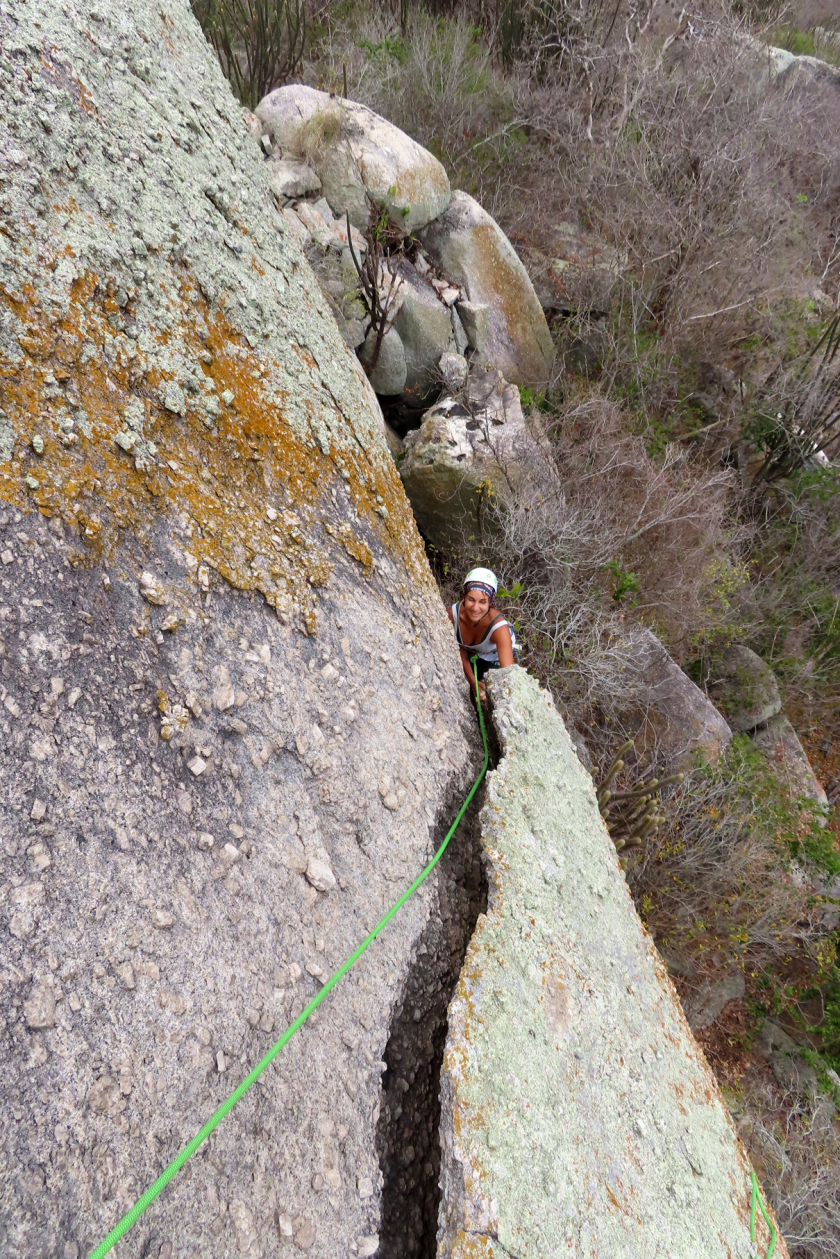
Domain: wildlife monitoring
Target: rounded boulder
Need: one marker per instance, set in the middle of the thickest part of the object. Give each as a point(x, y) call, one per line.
point(357, 155)
point(472, 251)
point(746, 689)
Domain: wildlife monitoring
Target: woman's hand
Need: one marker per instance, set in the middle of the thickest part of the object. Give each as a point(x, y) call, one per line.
point(482, 694)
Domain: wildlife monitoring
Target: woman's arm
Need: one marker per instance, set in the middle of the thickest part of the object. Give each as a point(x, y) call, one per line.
point(504, 646)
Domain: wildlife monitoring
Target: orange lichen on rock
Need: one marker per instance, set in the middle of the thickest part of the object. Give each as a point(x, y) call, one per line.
point(124, 442)
point(470, 1246)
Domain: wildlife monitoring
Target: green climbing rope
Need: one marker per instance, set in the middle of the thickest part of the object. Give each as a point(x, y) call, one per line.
point(132, 1216)
point(757, 1199)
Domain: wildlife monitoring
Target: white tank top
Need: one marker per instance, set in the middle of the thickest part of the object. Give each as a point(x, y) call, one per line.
point(486, 649)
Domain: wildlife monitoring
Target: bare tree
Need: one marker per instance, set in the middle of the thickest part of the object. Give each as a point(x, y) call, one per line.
point(259, 43)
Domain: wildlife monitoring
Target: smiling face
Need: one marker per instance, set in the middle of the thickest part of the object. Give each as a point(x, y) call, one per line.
point(476, 605)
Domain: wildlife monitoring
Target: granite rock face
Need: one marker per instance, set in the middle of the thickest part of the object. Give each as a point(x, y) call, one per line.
point(293, 179)
point(579, 1115)
point(472, 250)
point(787, 758)
point(424, 326)
point(356, 155)
point(231, 720)
point(388, 376)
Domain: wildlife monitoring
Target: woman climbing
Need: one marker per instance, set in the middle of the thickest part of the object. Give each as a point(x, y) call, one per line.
point(480, 630)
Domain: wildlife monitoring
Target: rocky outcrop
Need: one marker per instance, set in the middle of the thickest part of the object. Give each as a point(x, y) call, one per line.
point(787, 758)
point(466, 449)
point(746, 689)
point(705, 1006)
point(472, 250)
point(656, 702)
point(794, 1072)
point(230, 715)
point(772, 66)
point(357, 155)
point(579, 1115)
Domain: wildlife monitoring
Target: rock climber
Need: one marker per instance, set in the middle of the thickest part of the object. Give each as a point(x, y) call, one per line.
point(480, 630)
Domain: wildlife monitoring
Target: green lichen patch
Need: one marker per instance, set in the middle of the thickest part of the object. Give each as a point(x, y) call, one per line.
point(578, 1114)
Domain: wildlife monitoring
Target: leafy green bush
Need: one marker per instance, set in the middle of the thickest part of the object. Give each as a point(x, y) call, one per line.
point(799, 42)
point(813, 42)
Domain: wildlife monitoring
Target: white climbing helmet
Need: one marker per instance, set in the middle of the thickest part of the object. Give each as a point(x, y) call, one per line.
point(483, 578)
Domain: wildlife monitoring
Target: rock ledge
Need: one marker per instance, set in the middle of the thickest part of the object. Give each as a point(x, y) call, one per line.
point(578, 1114)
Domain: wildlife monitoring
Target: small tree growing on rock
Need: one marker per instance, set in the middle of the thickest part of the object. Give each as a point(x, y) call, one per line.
point(379, 275)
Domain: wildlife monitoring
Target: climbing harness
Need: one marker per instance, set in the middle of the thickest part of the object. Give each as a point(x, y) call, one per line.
point(132, 1216)
point(757, 1198)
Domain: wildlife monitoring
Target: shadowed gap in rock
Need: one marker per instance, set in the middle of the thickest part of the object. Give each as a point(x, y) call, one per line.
point(408, 1137)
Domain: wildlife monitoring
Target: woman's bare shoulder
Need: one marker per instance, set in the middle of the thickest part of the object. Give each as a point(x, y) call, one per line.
point(449, 614)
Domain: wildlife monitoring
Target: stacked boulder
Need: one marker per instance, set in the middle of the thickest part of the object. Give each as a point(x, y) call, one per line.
point(354, 155)
point(468, 449)
point(451, 296)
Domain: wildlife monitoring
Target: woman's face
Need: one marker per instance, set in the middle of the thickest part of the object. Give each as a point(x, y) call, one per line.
point(476, 604)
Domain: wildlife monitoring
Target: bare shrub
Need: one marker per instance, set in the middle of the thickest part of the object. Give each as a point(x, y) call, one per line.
point(378, 273)
point(438, 80)
point(796, 1147)
point(599, 533)
point(654, 132)
point(681, 160)
point(259, 43)
point(732, 868)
